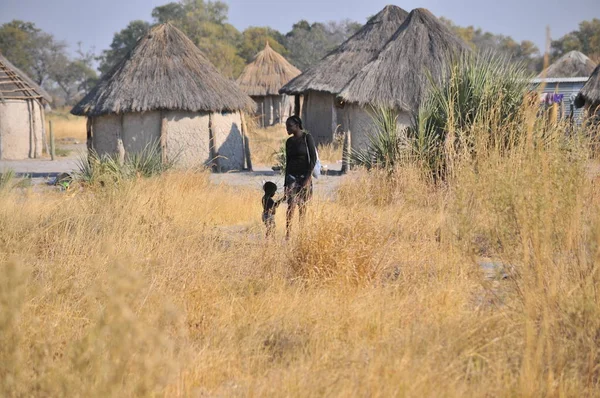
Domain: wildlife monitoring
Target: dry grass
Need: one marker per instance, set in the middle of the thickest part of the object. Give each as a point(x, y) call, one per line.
point(266, 142)
point(166, 286)
point(66, 125)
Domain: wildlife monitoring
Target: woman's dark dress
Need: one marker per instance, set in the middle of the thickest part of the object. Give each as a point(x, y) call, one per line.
point(301, 156)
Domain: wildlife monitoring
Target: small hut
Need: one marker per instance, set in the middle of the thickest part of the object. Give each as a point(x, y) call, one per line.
point(165, 92)
point(397, 78)
point(21, 114)
point(262, 79)
point(566, 77)
point(321, 83)
point(589, 96)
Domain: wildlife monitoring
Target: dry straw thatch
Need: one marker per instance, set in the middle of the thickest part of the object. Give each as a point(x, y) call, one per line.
point(572, 64)
point(267, 73)
point(164, 71)
point(590, 93)
point(14, 84)
point(397, 78)
point(338, 67)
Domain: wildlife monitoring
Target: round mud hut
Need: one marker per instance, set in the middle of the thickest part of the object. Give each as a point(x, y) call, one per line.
point(321, 83)
point(589, 96)
point(21, 114)
point(165, 92)
point(397, 78)
point(262, 79)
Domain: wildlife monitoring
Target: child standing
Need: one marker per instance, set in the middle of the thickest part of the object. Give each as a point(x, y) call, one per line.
point(270, 206)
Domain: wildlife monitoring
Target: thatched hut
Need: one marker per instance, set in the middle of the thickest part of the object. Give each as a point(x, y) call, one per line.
point(397, 78)
point(21, 114)
point(589, 96)
point(572, 64)
point(262, 79)
point(165, 91)
point(321, 83)
point(566, 76)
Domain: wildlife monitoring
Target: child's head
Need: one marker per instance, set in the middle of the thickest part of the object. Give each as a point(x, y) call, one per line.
point(270, 188)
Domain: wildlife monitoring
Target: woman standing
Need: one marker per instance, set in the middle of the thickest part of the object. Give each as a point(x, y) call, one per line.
point(300, 159)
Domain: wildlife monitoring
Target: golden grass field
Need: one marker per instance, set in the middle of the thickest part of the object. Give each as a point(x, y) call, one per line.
point(166, 287)
point(66, 125)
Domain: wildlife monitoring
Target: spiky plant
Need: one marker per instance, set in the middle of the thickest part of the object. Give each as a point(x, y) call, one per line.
point(479, 96)
point(387, 142)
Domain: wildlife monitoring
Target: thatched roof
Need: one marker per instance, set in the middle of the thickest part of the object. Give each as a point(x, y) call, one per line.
point(397, 78)
point(164, 71)
point(590, 93)
point(267, 73)
point(572, 64)
point(14, 84)
point(336, 69)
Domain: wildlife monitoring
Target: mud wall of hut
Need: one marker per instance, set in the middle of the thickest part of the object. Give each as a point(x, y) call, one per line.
point(21, 127)
point(191, 139)
point(359, 121)
point(273, 109)
point(319, 115)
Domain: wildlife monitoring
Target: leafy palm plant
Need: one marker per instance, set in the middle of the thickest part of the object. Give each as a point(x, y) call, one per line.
point(479, 97)
point(387, 143)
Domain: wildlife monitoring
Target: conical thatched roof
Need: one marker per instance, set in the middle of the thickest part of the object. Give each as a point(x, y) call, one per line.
point(590, 93)
point(336, 69)
point(397, 78)
point(572, 64)
point(164, 71)
point(15, 84)
point(267, 73)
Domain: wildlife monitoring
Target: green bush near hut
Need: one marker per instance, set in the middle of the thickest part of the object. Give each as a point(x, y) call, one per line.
point(476, 105)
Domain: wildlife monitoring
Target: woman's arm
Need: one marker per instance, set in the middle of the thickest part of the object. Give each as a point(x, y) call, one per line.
point(312, 151)
point(287, 161)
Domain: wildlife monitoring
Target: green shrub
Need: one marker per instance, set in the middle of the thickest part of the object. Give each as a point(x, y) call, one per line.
point(477, 104)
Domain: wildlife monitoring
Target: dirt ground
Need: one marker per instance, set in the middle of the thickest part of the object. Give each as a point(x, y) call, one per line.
point(44, 169)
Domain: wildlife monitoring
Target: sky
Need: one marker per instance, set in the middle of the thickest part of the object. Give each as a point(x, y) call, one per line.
point(94, 22)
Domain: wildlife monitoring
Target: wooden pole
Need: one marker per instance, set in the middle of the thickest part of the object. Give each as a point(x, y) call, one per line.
point(44, 136)
point(347, 147)
point(212, 145)
point(33, 131)
point(52, 150)
point(262, 113)
point(120, 146)
point(246, 143)
point(89, 134)
point(31, 144)
point(163, 137)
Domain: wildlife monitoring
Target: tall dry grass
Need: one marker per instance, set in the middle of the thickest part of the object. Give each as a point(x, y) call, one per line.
point(66, 125)
point(166, 286)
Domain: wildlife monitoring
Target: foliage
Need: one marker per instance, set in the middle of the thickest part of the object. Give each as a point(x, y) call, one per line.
point(308, 43)
point(6, 178)
point(586, 40)
point(280, 157)
point(74, 77)
point(122, 43)
point(30, 49)
point(475, 104)
point(386, 146)
point(106, 169)
point(526, 52)
point(45, 59)
point(255, 38)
